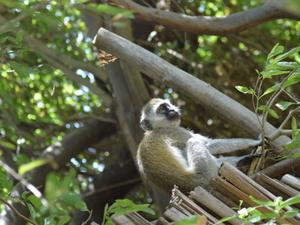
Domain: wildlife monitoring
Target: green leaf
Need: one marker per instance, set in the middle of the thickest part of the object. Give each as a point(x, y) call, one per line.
point(6, 183)
point(283, 105)
point(294, 127)
point(271, 73)
point(294, 155)
point(290, 53)
point(254, 219)
point(269, 215)
point(271, 89)
point(32, 165)
point(270, 111)
point(21, 69)
point(51, 190)
point(119, 24)
point(109, 222)
point(276, 50)
point(35, 201)
point(80, 205)
point(188, 221)
point(63, 219)
point(226, 219)
point(293, 79)
point(7, 144)
point(295, 143)
point(125, 206)
point(33, 212)
point(290, 213)
point(283, 66)
point(12, 4)
point(291, 201)
point(245, 90)
point(73, 200)
point(262, 202)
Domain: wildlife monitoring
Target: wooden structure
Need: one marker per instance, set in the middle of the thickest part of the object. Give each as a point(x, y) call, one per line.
point(231, 186)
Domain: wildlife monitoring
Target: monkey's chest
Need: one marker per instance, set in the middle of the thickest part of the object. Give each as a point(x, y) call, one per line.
point(163, 156)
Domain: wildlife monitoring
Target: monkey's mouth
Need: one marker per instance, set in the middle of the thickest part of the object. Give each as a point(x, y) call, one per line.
point(173, 115)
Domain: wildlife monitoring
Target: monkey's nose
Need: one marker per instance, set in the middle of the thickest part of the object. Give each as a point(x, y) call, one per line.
point(172, 115)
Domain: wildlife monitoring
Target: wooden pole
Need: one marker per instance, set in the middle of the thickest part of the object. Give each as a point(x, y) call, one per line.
point(203, 93)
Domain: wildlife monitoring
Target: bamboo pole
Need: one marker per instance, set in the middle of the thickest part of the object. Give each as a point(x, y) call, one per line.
point(291, 180)
point(203, 93)
point(209, 201)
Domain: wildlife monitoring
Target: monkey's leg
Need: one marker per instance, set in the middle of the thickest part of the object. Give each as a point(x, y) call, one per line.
point(201, 161)
point(221, 146)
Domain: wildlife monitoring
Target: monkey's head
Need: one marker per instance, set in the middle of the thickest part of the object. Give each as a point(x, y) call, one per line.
point(159, 113)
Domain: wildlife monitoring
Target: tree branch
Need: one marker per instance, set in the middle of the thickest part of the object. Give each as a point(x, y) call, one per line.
point(233, 23)
point(164, 72)
point(280, 130)
point(23, 181)
point(17, 212)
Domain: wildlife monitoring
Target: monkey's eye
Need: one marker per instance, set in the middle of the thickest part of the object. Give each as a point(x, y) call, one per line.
point(163, 108)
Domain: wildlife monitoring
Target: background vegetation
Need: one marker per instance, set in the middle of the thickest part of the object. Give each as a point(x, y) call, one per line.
point(54, 93)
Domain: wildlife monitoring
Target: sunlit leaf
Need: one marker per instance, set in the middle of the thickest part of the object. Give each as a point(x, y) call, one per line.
point(7, 145)
point(245, 90)
point(32, 165)
point(295, 143)
point(276, 50)
point(124, 206)
point(271, 89)
point(293, 79)
point(262, 202)
point(272, 112)
point(188, 221)
point(73, 200)
point(271, 73)
point(6, 183)
point(290, 213)
point(294, 155)
point(35, 201)
point(254, 219)
point(294, 127)
point(284, 105)
point(291, 201)
point(287, 54)
point(62, 220)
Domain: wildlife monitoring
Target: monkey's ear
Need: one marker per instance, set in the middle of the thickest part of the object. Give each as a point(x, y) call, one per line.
point(146, 125)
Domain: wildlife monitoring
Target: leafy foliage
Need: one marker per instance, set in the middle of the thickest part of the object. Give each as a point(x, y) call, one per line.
point(277, 211)
point(124, 206)
point(59, 203)
point(285, 64)
point(39, 103)
point(6, 184)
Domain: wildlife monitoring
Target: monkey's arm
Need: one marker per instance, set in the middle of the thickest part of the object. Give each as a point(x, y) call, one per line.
point(201, 161)
point(221, 146)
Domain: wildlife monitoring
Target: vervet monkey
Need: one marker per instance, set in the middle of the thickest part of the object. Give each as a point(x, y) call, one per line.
point(171, 155)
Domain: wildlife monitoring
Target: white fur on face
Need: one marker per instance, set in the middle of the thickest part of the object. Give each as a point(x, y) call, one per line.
point(157, 120)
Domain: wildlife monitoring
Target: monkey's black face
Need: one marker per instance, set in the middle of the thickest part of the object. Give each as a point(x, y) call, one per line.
point(158, 113)
point(168, 111)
